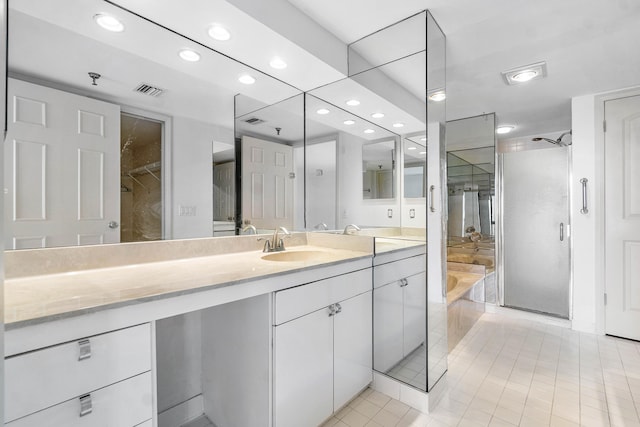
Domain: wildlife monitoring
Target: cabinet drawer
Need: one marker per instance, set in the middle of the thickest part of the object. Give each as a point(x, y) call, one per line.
point(43, 378)
point(393, 271)
point(295, 302)
point(124, 404)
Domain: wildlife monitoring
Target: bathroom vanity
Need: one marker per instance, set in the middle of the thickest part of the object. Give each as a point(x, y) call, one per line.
point(81, 341)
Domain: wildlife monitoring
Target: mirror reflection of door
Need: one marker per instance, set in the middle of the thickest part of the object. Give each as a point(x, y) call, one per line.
point(141, 178)
point(378, 170)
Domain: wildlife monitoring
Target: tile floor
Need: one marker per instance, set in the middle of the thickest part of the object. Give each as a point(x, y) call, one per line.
point(514, 372)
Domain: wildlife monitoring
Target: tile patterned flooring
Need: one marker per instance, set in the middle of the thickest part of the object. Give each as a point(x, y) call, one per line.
point(515, 372)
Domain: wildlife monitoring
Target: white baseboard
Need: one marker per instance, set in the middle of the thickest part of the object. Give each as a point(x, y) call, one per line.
point(182, 413)
point(527, 315)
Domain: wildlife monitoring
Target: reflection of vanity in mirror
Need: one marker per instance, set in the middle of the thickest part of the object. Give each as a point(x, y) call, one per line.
point(471, 224)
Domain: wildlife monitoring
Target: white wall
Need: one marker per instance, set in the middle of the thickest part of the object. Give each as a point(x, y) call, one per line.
point(587, 313)
point(321, 184)
point(192, 175)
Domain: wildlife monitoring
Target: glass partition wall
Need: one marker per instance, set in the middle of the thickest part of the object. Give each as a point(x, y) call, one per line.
point(383, 127)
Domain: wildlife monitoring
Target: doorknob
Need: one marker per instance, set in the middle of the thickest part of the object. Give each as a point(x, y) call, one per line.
point(113, 224)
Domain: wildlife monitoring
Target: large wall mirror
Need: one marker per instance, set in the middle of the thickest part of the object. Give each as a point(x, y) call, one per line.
point(115, 136)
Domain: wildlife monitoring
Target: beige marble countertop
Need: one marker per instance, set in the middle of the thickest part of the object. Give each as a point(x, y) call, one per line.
point(465, 281)
point(384, 244)
point(39, 297)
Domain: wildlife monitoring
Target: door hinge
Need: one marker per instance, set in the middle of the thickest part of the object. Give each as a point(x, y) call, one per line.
point(604, 126)
point(605, 299)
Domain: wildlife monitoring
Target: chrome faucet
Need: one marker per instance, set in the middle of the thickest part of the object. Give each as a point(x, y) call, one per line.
point(321, 226)
point(276, 244)
point(346, 229)
point(250, 227)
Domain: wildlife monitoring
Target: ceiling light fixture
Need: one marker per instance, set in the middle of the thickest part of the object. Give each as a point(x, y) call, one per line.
point(398, 125)
point(246, 79)
point(323, 111)
point(504, 129)
point(377, 115)
point(278, 63)
point(349, 122)
point(218, 32)
point(525, 73)
point(189, 55)
point(353, 102)
point(438, 96)
point(423, 139)
point(369, 131)
point(411, 148)
point(423, 152)
point(109, 22)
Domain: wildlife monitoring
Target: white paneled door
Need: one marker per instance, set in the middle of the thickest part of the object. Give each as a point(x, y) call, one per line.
point(267, 187)
point(62, 169)
point(622, 217)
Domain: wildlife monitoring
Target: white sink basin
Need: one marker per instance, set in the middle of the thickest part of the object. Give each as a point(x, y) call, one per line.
point(292, 256)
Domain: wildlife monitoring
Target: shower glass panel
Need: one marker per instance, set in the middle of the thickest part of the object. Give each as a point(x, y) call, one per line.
point(535, 220)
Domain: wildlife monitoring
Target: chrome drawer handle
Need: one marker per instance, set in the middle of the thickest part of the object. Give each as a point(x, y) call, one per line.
point(332, 310)
point(403, 283)
point(338, 308)
point(85, 349)
point(85, 405)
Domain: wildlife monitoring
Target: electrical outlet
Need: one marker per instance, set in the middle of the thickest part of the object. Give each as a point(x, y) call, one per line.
point(412, 213)
point(389, 213)
point(186, 210)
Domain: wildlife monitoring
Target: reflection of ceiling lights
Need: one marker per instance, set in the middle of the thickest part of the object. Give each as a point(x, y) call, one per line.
point(423, 152)
point(278, 63)
point(353, 102)
point(411, 148)
point(219, 33)
point(377, 115)
point(398, 125)
point(109, 22)
point(322, 111)
point(246, 79)
point(349, 122)
point(189, 55)
point(423, 139)
point(504, 129)
point(525, 73)
point(369, 131)
point(438, 96)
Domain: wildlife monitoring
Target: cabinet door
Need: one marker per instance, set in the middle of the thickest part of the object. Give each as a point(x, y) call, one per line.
point(303, 370)
point(415, 315)
point(352, 348)
point(387, 326)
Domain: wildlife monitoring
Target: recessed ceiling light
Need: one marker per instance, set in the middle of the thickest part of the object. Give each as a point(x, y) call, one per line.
point(189, 55)
point(353, 102)
point(369, 131)
point(377, 115)
point(349, 122)
point(398, 125)
point(246, 79)
point(504, 129)
point(278, 63)
point(218, 32)
point(423, 139)
point(525, 73)
point(109, 22)
point(438, 96)
point(323, 111)
point(423, 152)
point(411, 148)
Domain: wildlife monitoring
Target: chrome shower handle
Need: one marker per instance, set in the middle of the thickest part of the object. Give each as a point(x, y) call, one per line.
point(584, 209)
point(561, 231)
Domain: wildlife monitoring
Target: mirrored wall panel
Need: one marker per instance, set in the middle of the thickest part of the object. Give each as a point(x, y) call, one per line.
point(115, 136)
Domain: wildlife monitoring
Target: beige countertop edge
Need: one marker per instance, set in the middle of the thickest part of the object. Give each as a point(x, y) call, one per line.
point(466, 281)
point(104, 289)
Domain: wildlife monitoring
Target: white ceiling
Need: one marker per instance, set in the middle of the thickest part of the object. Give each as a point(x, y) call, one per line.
point(589, 46)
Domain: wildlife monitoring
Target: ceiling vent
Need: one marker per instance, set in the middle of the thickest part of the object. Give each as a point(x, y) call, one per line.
point(254, 121)
point(148, 89)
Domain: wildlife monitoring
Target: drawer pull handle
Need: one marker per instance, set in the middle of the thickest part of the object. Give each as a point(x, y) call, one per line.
point(86, 406)
point(403, 283)
point(332, 310)
point(338, 308)
point(85, 349)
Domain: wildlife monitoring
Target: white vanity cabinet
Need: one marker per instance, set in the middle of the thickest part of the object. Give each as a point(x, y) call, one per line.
point(102, 380)
point(322, 347)
point(399, 301)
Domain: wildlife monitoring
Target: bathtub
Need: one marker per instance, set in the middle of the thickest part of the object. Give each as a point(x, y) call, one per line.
point(465, 299)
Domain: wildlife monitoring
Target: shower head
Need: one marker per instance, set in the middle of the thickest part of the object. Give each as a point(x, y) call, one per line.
point(557, 141)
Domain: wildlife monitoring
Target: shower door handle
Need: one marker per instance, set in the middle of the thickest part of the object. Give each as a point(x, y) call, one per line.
point(561, 231)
